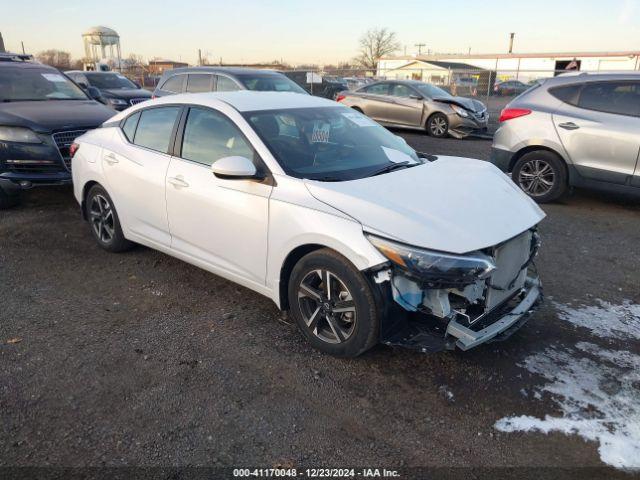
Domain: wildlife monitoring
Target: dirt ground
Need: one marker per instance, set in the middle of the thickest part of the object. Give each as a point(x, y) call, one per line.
point(141, 359)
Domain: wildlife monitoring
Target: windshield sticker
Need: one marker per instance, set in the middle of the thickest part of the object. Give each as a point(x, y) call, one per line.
point(320, 132)
point(396, 156)
point(359, 119)
point(54, 77)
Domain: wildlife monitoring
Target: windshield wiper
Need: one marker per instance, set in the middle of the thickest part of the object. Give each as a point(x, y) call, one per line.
point(390, 168)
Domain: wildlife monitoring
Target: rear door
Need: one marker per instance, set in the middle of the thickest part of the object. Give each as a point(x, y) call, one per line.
point(599, 126)
point(407, 105)
point(135, 166)
point(377, 101)
point(199, 82)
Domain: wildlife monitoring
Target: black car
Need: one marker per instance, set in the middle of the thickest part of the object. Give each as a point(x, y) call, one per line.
point(326, 86)
point(41, 114)
point(222, 79)
point(116, 90)
point(510, 87)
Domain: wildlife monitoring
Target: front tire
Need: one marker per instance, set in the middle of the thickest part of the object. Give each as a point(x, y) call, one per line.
point(542, 175)
point(438, 125)
point(104, 221)
point(333, 304)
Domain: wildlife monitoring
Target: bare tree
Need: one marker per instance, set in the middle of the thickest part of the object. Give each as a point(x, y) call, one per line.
point(376, 43)
point(55, 58)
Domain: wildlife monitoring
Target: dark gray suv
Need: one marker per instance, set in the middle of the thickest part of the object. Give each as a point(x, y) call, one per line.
point(223, 79)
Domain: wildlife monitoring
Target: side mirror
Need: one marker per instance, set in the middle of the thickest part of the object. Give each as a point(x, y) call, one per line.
point(83, 85)
point(235, 168)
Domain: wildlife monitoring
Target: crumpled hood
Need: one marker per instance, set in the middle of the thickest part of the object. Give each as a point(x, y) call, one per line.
point(453, 204)
point(467, 103)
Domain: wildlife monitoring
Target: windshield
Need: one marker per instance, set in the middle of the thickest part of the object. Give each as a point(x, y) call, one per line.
point(109, 81)
point(270, 83)
point(330, 143)
point(30, 84)
point(430, 91)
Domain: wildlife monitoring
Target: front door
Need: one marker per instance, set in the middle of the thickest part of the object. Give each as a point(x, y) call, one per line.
point(221, 222)
point(407, 106)
point(135, 167)
point(601, 134)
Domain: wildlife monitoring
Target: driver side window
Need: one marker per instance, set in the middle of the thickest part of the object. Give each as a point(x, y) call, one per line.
point(209, 136)
point(399, 90)
point(378, 89)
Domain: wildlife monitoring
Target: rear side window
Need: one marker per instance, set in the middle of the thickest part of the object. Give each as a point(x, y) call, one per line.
point(199, 82)
point(155, 127)
point(378, 89)
point(174, 84)
point(622, 98)
point(226, 85)
point(210, 136)
point(567, 94)
point(130, 124)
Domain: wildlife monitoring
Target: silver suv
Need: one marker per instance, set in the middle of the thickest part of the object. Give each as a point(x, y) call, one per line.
point(578, 129)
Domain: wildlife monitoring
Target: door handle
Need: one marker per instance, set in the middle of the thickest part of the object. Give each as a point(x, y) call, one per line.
point(110, 158)
point(177, 182)
point(569, 126)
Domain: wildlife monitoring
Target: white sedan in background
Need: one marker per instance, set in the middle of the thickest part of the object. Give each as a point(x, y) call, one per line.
point(322, 210)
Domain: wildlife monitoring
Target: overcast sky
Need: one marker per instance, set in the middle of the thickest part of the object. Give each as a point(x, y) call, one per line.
point(320, 31)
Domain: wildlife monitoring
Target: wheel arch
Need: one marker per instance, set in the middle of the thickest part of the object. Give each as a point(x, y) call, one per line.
point(533, 148)
point(85, 191)
point(290, 261)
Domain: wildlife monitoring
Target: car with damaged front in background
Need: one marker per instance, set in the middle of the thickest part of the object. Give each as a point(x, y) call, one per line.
point(420, 106)
point(322, 210)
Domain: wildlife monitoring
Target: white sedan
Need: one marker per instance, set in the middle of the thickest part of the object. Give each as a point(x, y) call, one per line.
point(322, 210)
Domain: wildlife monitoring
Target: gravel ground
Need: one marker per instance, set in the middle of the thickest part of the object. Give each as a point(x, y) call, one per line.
point(140, 359)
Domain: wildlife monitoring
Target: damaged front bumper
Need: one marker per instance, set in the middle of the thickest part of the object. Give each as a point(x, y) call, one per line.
point(432, 316)
point(426, 333)
point(509, 319)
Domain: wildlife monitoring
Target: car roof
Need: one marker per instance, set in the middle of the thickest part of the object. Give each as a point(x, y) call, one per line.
point(27, 64)
point(241, 100)
point(227, 70)
point(577, 76)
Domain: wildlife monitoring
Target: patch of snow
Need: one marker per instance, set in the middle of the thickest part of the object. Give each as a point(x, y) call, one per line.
point(598, 393)
point(605, 319)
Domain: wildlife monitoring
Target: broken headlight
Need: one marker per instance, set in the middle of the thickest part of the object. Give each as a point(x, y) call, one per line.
point(436, 268)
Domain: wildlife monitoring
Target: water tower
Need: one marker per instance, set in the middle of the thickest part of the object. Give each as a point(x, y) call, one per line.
point(101, 46)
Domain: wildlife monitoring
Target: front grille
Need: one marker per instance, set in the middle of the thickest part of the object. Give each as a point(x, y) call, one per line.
point(135, 101)
point(32, 166)
point(63, 141)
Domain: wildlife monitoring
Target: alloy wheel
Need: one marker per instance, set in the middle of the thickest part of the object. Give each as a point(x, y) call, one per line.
point(438, 126)
point(536, 178)
point(102, 219)
point(327, 307)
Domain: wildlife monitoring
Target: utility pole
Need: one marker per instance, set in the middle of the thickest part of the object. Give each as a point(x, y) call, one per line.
point(199, 57)
point(511, 36)
point(420, 45)
point(1, 44)
point(23, 52)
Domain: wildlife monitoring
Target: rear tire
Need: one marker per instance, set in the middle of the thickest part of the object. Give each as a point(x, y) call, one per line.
point(438, 125)
point(542, 175)
point(104, 221)
point(333, 304)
